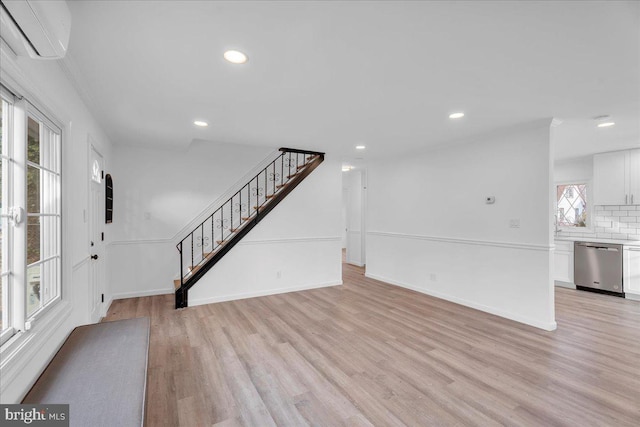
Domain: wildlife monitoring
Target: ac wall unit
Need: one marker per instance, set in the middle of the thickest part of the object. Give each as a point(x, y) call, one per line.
point(38, 28)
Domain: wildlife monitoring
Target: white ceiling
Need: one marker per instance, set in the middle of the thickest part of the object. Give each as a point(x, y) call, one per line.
point(330, 75)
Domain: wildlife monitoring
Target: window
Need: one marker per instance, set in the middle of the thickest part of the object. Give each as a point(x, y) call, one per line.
point(572, 205)
point(31, 214)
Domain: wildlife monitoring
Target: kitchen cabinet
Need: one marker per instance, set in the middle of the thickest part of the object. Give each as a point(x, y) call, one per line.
point(563, 262)
point(616, 178)
point(631, 271)
point(634, 176)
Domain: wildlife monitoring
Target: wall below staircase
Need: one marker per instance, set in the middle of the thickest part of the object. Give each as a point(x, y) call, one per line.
point(297, 246)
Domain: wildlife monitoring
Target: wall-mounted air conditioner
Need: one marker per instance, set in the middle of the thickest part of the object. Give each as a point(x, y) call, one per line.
point(38, 28)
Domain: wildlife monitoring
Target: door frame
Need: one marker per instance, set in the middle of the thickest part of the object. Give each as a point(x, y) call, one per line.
point(95, 227)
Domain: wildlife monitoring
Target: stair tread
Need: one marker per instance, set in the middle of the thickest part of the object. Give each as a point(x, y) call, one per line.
point(307, 163)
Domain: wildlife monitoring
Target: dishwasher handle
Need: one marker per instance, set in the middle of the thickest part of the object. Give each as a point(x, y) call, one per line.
point(599, 247)
point(602, 248)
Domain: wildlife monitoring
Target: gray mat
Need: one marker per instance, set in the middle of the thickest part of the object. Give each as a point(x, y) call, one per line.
point(101, 372)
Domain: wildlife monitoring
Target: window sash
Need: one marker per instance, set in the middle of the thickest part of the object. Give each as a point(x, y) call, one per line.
point(20, 314)
point(7, 330)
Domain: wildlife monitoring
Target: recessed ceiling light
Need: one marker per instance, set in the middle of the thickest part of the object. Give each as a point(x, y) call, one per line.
point(360, 147)
point(235, 57)
point(456, 115)
point(604, 121)
point(201, 123)
point(606, 124)
point(346, 168)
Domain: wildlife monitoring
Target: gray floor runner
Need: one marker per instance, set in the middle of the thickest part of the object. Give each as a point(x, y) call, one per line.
point(101, 372)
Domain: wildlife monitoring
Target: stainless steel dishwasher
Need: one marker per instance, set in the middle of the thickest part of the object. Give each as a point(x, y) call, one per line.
point(598, 267)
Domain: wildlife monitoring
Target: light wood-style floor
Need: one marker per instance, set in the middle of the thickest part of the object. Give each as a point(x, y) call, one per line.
point(368, 353)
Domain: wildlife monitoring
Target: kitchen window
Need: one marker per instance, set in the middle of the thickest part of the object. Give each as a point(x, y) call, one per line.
point(30, 227)
point(572, 208)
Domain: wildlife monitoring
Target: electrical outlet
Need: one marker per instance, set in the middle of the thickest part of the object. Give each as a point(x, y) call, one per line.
point(278, 274)
point(514, 223)
point(433, 277)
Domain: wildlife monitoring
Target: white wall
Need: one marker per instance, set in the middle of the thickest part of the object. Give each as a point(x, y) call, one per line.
point(300, 240)
point(354, 182)
point(47, 84)
point(575, 170)
point(429, 228)
point(157, 193)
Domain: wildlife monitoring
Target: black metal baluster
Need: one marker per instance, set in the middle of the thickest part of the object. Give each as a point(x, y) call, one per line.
point(265, 184)
point(202, 240)
point(192, 249)
point(274, 177)
point(222, 224)
point(213, 242)
point(257, 206)
point(281, 168)
point(289, 174)
point(231, 207)
point(181, 265)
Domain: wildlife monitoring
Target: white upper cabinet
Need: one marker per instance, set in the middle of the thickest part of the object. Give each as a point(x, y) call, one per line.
point(616, 178)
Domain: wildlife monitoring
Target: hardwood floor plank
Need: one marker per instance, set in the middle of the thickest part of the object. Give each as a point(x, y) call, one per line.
point(369, 353)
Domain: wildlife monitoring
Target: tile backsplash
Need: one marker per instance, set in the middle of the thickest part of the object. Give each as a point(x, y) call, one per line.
point(610, 222)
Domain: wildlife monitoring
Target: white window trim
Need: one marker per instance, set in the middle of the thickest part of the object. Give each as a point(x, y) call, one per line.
point(13, 338)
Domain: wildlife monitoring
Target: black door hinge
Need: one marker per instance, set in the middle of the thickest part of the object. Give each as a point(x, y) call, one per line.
point(102, 297)
point(102, 236)
point(102, 174)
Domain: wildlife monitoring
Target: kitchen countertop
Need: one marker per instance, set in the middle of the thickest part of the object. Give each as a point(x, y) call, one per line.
point(595, 240)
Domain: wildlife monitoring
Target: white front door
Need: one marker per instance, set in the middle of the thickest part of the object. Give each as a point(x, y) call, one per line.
point(96, 236)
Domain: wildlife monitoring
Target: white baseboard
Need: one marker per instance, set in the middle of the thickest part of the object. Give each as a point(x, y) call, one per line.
point(211, 300)
point(551, 326)
point(632, 296)
point(151, 292)
point(567, 285)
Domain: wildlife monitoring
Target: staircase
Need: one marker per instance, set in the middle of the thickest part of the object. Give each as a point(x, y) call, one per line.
point(224, 228)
